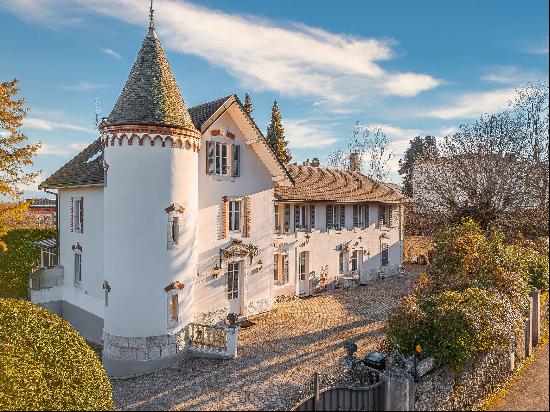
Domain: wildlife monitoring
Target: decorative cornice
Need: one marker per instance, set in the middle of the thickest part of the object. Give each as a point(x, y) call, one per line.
point(174, 285)
point(145, 139)
point(151, 129)
point(174, 207)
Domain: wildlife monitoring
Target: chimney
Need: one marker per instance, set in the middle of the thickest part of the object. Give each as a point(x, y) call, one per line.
point(315, 162)
point(354, 162)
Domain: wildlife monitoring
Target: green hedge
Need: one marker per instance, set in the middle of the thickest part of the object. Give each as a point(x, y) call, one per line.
point(45, 364)
point(16, 262)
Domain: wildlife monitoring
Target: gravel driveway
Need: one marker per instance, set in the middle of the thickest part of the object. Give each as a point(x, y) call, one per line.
point(276, 355)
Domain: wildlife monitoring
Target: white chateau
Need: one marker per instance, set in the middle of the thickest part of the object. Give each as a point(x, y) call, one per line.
point(178, 215)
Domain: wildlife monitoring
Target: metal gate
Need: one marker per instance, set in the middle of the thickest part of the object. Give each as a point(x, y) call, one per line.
point(371, 398)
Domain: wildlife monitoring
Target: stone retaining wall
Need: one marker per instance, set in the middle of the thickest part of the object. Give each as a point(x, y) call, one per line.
point(143, 348)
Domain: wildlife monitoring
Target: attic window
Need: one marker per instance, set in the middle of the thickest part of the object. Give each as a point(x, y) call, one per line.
point(93, 157)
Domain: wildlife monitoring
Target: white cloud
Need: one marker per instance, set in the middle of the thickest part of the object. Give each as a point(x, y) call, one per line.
point(513, 75)
point(307, 134)
point(112, 53)
point(61, 150)
point(473, 104)
point(538, 49)
point(43, 124)
point(291, 58)
point(84, 86)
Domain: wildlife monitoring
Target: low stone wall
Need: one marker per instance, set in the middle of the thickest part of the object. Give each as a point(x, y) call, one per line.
point(143, 348)
point(445, 389)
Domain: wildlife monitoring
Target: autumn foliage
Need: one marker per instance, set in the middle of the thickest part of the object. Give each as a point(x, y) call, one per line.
point(45, 364)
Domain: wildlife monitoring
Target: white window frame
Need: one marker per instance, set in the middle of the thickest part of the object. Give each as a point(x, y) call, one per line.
point(342, 262)
point(354, 261)
point(302, 266)
point(77, 215)
point(302, 217)
point(173, 306)
point(48, 257)
point(174, 230)
point(220, 159)
point(277, 214)
point(234, 273)
point(235, 216)
point(77, 267)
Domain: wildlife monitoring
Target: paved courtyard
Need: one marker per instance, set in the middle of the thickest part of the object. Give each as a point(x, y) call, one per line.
point(276, 355)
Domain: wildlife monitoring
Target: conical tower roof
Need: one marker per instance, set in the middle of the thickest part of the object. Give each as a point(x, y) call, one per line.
point(151, 95)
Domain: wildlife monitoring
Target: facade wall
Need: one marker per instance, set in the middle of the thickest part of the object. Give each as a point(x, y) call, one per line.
point(89, 296)
point(211, 298)
point(142, 181)
point(324, 248)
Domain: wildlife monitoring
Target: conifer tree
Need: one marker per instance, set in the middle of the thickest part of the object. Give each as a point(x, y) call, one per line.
point(15, 156)
point(276, 136)
point(248, 105)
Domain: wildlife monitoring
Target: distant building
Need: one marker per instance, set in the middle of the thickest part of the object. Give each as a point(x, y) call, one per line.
point(42, 212)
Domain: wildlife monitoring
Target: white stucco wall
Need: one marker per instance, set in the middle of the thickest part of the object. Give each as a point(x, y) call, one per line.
point(323, 247)
point(256, 182)
point(89, 296)
point(142, 182)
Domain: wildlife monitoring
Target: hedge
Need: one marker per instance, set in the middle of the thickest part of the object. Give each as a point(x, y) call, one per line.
point(45, 364)
point(17, 261)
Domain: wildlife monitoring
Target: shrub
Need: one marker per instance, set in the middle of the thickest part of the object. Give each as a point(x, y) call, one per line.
point(464, 257)
point(536, 263)
point(17, 261)
point(454, 326)
point(45, 364)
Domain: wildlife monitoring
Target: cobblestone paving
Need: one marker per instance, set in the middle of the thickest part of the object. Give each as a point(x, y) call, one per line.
point(276, 356)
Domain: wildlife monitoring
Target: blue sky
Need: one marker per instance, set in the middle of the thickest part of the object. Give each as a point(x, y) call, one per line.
point(410, 67)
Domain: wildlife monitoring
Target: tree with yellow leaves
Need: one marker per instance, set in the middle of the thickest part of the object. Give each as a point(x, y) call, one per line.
point(15, 155)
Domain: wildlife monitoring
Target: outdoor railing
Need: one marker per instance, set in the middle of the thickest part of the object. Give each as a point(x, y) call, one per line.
point(206, 338)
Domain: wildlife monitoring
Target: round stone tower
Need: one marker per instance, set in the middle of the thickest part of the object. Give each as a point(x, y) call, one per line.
point(150, 217)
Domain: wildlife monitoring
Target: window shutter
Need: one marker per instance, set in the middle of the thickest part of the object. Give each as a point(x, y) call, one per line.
point(72, 214)
point(210, 160)
point(390, 216)
point(287, 218)
point(367, 216)
point(236, 160)
point(355, 215)
point(312, 217)
point(285, 268)
point(223, 223)
point(342, 216)
point(81, 215)
point(296, 217)
point(248, 215)
point(381, 212)
point(329, 217)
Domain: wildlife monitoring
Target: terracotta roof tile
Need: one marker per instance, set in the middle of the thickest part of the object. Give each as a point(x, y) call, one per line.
point(325, 184)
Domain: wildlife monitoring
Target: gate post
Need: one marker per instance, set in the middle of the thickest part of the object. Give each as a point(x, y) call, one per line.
point(399, 389)
point(231, 336)
point(529, 330)
point(535, 316)
point(316, 388)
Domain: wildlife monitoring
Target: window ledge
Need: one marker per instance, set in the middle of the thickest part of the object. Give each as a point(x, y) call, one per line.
point(222, 178)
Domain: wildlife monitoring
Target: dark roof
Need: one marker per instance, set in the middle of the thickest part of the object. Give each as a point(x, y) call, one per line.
point(203, 112)
point(78, 171)
point(151, 94)
point(333, 185)
point(86, 168)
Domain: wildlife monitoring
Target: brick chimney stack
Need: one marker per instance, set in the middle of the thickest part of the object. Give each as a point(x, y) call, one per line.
point(354, 162)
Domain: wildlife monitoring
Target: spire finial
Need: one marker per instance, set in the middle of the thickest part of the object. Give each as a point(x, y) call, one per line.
point(151, 16)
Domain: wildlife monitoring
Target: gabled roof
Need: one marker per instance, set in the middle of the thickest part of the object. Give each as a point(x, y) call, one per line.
point(333, 185)
point(80, 172)
point(86, 168)
point(151, 94)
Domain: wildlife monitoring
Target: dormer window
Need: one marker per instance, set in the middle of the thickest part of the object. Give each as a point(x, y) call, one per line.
point(223, 159)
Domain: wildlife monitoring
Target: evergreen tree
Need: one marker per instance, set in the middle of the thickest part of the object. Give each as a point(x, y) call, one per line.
point(248, 105)
point(15, 156)
point(276, 136)
point(419, 148)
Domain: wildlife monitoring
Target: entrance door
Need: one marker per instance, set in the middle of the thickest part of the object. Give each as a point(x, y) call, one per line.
point(233, 277)
point(303, 272)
